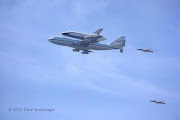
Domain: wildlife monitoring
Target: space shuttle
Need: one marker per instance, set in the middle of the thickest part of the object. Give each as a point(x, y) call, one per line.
point(94, 37)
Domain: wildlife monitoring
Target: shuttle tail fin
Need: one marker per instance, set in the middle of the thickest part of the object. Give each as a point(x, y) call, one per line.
point(98, 31)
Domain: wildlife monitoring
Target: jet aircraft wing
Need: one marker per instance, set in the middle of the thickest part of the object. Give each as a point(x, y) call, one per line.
point(91, 39)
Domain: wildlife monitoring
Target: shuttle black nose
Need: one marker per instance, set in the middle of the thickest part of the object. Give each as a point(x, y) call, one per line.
point(64, 33)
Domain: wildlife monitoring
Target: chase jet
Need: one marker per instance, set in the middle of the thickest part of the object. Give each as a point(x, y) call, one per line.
point(86, 45)
point(94, 37)
point(146, 50)
point(158, 102)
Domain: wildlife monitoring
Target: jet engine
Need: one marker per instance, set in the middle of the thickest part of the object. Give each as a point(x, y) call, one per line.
point(75, 50)
point(84, 52)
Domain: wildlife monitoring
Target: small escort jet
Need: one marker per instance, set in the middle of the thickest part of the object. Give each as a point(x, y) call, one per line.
point(158, 102)
point(146, 50)
point(94, 37)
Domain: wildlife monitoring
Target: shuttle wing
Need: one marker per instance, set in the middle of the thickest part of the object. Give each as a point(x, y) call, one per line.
point(95, 39)
point(101, 39)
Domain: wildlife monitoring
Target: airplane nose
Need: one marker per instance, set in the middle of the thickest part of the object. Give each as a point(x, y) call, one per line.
point(50, 40)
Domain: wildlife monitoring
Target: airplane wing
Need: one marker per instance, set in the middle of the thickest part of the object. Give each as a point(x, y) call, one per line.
point(99, 39)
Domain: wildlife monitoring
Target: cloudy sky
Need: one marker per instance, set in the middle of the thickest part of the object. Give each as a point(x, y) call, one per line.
point(105, 85)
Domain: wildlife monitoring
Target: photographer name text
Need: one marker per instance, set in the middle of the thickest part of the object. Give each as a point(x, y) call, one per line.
point(32, 109)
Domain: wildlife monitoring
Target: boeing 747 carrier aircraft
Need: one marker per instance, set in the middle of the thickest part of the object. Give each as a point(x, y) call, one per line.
point(88, 42)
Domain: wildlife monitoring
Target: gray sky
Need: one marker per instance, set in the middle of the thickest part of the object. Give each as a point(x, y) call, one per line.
point(103, 85)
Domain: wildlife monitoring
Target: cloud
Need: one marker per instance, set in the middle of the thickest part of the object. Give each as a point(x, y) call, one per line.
point(96, 72)
point(84, 9)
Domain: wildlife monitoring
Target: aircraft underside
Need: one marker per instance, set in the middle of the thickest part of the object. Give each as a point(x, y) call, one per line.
point(88, 48)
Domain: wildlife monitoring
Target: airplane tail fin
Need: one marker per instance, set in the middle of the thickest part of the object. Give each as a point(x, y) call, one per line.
point(98, 31)
point(119, 43)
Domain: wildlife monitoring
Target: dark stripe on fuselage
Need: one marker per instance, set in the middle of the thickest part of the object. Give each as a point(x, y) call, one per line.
point(91, 45)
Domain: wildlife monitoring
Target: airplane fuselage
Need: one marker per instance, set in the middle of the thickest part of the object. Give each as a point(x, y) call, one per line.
point(80, 45)
point(147, 50)
point(77, 35)
point(160, 103)
point(83, 36)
